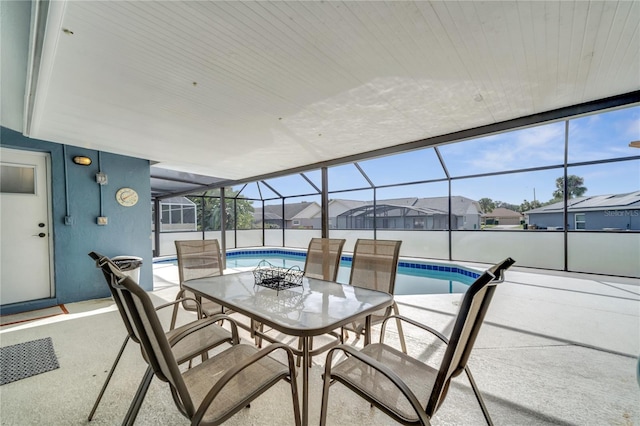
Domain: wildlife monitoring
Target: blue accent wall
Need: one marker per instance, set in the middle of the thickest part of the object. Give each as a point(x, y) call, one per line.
point(128, 231)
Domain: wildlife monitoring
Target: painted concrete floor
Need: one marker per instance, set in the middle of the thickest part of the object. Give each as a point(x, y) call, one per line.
point(555, 349)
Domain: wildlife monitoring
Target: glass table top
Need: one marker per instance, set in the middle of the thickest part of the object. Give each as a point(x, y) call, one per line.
point(314, 308)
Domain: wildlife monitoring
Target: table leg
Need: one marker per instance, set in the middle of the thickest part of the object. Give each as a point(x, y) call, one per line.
point(305, 380)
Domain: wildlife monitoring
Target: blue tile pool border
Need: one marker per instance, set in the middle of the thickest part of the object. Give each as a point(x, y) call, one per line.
point(453, 269)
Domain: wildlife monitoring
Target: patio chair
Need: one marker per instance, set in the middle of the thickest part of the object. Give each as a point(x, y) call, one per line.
point(403, 387)
point(206, 334)
point(322, 262)
point(323, 258)
point(197, 259)
point(214, 390)
point(374, 266)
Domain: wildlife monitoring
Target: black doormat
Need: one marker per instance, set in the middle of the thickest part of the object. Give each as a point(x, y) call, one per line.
point(27, 359)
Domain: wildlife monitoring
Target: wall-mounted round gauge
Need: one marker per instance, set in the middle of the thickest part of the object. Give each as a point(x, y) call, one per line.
point(127, 197)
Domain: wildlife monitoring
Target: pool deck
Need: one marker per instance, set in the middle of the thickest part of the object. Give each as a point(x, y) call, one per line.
point(556, 348)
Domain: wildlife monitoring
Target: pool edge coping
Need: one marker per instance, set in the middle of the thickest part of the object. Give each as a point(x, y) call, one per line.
point(404, 262)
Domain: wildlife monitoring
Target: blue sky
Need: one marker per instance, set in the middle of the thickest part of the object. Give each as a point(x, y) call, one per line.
point(591, 138)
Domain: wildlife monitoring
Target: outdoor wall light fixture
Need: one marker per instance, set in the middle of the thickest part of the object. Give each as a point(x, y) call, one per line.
point(83, 161)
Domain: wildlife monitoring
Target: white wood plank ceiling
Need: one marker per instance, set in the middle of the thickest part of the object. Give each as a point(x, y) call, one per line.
point(239, 89)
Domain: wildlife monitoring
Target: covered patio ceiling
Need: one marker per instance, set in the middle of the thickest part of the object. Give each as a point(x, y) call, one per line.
point(235, 90)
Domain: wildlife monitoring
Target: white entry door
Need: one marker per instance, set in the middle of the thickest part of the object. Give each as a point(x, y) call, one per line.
point(25, 231)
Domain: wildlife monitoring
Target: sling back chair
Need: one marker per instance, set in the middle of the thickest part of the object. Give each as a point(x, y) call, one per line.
point(374, 266)
point(197, 259)
point(214, 390)
point(403, 387)
point(322, 262)
point(323, 258)
point(205, 335)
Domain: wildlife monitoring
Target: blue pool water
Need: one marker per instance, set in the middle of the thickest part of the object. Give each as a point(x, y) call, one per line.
point(414, 277)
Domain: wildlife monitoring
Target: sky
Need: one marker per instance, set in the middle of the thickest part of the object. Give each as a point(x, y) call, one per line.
point(591, 138)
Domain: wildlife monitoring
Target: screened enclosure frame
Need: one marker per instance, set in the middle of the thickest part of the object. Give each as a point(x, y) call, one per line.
point(322, 191)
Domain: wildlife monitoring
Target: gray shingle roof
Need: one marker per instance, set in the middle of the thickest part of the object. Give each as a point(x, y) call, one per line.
point(459, 205)
point(502, 212)
point(274, 211)
point(178, 200)
point(433, 205)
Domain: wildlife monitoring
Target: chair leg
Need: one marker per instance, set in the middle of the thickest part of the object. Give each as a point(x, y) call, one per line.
point(399, 325)
point(108, 379)
point(295, 400)
point(299, 357)
point(174, 316)
point(326, 383)
point(476, 391)
point(294, 389)
point(255, 326)
point(134, 408)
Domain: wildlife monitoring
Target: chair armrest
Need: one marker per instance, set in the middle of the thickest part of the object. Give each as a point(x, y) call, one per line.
point(412, 322)
point(386, 371)
point(181, 299)
point(174, 303)
point(232, 372)
point(499, 269)
point(199, 325)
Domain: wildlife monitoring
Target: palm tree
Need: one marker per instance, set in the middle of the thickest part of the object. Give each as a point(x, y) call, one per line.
point(575, 187)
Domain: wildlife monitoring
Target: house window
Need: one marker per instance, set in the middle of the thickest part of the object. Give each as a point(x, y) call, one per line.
point(178, 214)
point(580, 221)
point(165, 214)
point(296, 222)
point(189, 214)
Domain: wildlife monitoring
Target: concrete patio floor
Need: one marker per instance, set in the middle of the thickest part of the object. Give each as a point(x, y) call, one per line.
point(555, 348)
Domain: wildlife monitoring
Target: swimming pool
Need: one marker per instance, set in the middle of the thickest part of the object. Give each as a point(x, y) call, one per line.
point(414, 277)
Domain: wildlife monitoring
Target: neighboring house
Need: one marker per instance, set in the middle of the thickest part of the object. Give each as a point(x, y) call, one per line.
point(406, 213)
point(178, 214)
point(296, 215)
point(338, 207)
point(600, 212)
point(502, 216)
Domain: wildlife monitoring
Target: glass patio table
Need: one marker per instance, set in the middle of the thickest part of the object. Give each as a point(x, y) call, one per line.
point(315, 308)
